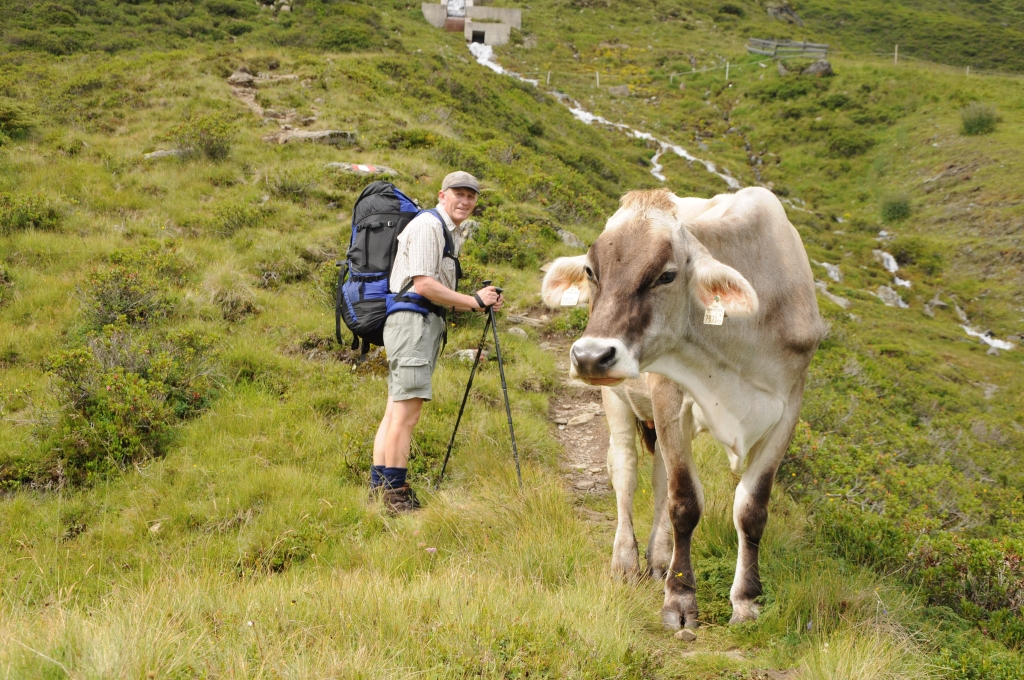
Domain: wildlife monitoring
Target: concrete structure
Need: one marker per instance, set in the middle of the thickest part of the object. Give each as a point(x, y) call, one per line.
point(488, 25)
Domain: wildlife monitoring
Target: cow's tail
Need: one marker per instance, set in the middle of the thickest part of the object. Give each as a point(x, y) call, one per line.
point(647, 435)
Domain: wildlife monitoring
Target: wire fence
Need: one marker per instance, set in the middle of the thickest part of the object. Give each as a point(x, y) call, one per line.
point(895, 58)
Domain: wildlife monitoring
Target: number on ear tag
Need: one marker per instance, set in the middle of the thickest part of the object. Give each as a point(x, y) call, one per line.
point(571, 296)
point(714, 315)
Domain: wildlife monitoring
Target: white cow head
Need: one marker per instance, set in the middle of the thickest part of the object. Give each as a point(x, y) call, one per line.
point(642, 276)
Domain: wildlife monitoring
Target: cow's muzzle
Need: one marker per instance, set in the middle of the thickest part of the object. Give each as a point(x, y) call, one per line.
point(601, 361)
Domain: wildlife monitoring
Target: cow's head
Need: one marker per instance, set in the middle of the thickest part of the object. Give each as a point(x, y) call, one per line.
point(643, 275)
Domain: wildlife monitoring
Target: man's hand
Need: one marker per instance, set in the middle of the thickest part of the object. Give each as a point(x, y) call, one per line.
point(491, 297)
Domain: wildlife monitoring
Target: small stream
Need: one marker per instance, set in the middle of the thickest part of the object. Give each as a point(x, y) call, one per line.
point(484, 55)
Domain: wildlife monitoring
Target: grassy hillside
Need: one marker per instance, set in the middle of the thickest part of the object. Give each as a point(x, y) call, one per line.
point(186, 447)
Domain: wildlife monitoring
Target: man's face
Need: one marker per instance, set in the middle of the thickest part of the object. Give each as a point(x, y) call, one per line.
point(458, 202)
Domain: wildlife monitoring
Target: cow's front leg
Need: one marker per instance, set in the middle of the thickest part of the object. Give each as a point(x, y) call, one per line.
point(750, 512)
point(659, 547)
point(685, 499)
point(622, 462)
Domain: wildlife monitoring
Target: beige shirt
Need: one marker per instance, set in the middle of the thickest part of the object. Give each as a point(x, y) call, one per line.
point(421, 249)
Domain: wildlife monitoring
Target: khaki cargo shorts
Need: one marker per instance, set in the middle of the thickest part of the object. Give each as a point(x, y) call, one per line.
point(412, 341)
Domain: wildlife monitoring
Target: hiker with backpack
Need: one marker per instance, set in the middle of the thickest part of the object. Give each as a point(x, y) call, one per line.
point(424, 271)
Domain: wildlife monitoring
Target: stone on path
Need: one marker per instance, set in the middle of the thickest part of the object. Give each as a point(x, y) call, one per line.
point(517, 331)
point(686, 635)
point(536, 323)
point(585, 485)
point(581, 419)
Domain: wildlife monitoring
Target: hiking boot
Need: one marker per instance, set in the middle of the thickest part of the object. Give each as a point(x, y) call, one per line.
point(400, 500)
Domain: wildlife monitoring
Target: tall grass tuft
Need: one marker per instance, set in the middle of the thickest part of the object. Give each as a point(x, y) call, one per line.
point(229, 290)
point(978, 119)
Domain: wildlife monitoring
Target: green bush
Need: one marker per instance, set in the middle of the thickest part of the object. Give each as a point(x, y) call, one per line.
point(848, 143)
point(978, 119)
point(786, 88)
point(411, 139)
point(120, 396)
point(19, 212)
point(341, 35)
point(209, 136)
point(294, 184)
point(918, 252)
point(958, 572)
point(122, 295)
point(735, 10)
point(161, 258)
point(228, 218)
point(507, 236)
point(571, 322)
point(15, 118)
point(895, 209)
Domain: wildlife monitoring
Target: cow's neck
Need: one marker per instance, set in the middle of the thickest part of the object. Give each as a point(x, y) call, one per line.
point(739, 411)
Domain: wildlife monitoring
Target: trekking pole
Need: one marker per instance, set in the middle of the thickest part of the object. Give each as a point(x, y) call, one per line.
point(504, 389)
point(469, 385)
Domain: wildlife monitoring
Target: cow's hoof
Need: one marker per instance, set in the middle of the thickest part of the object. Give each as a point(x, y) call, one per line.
point(744, 612)
point(671, 619)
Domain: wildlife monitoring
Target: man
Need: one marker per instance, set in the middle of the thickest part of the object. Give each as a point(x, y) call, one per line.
point(413, 339)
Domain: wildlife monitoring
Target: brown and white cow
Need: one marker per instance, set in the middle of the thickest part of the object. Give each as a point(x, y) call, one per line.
point(660, 263)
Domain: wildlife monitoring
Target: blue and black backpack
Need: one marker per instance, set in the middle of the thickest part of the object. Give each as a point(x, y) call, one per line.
point(364, 299)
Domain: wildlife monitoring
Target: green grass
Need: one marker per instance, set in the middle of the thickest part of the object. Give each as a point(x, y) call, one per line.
point(895, 525)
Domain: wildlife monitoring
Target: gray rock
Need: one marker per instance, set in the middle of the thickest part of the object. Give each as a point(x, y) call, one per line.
point(585, 485)
point(332, 137)
point(891, 298)
point(470, 355)
point(823, 289)
point(164, 153)
point(517, 331)
point(362, 169)
point(570, 239)
point(619, 90)
point(241, 79)
point(686, 635)
point(581, 419)
point(536, 323)
point(821, 68)
point(781, 11)
point(560, 421)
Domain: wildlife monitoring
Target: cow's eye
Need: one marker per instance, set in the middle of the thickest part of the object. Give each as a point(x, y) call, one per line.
point(665, 278)
point(589, 272)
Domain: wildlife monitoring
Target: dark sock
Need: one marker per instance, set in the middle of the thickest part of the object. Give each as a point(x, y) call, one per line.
point(376, 476)
point(394, 477)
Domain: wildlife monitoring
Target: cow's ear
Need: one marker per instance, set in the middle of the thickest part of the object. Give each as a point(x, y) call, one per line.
point(564, 273)
point(709, 278)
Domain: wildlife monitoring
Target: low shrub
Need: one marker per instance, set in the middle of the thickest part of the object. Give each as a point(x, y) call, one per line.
point(978, 119)
point(339, 35)
point(163, 259)
point(506, 236)
point(15, 118)
point(895, 209)
point(786, 88)
point(209, 136)
point(228, 218)
point(571, 322)
point(120, 396)
point(414, 138)
point(122, 295)
point(19, 212)
point(734, 10)
point(917, 252)
point(848, 143)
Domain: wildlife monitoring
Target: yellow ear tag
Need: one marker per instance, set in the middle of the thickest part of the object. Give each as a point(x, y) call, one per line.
point(714, 315)
point(570, 297)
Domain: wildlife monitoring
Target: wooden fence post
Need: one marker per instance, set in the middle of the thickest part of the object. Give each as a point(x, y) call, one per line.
point(549, 77)
point(896, 56)
point(597, 78)
point(727, 71)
